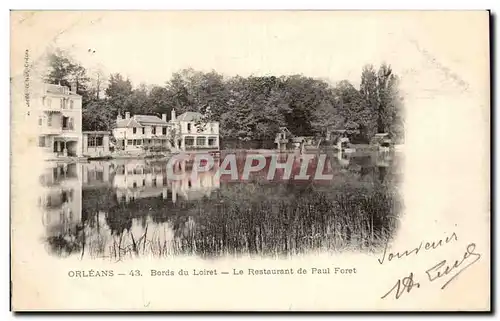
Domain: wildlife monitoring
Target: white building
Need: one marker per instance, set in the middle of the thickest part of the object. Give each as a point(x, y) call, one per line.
point(193, 134)
point(59, 112)
point(186, 132)
point(140, 132)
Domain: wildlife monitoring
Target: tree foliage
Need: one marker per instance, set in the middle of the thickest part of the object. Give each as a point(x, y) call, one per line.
point(248, 108)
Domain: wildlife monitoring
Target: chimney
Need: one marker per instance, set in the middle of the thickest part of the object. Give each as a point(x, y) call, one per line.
point(164, 117)
point(73, 87)
point(127, 115)
point(172, 114)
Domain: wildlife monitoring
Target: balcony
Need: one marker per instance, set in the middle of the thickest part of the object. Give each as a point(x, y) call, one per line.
point(47, 130)
point(52, 108)
point(68, 129)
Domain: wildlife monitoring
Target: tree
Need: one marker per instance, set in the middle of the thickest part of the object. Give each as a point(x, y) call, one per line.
point(369, 93)
point(327, 115)
point(138, 102)
point(247, 108)
point(97, 115)
point(179, 95)
point(64, 71)
point(393, 112)
point(384, 115)
point(118, 93)
point(160, 100)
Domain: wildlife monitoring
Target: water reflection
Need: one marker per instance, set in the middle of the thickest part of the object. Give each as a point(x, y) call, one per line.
point(127, 208)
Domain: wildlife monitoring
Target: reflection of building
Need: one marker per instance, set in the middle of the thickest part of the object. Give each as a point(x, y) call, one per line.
point(96, 174)
point(192, 187)
point(61, 199)
point(139, 179)
point(59, 120)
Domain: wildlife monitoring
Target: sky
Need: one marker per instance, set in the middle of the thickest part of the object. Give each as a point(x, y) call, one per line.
point(148, 46)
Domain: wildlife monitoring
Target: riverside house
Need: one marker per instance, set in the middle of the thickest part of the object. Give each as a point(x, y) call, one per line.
point(96, 144)
point(186, 132)
point(140, 132)
point(195, 134)
point(59, 121)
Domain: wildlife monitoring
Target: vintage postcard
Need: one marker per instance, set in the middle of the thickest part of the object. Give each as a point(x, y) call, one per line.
point(250, 161)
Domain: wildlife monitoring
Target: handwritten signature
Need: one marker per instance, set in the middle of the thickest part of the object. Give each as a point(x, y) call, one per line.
point(436, 272)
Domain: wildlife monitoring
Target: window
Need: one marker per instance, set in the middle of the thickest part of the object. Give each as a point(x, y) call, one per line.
point(164, 130)
point(94, 141)
point(134, 130)
point(153, 130)
point(212, 141)
point(200, 141)
point(143, 130)
point(129, 142)
point(71, 104)
point(143, 182)
point(139, 142)
point(65, 122)
point(154, 181)
point(40, 121)
point(189, 127)
point(189, 141)
point(41, 141)
point(63, 103)
point(49, 120)
point(212, 128)
point(64, 196)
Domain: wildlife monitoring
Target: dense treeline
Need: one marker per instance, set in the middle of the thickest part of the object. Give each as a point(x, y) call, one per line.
point(248, 108)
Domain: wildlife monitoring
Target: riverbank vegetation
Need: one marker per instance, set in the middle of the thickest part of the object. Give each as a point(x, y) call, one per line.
point(248, 108)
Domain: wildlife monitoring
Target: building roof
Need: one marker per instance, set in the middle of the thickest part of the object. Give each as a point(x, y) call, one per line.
point(149, 120)
point(60, 90)
point(190, 116)
point(97, 132)
point(140, 121)
point(131, 122)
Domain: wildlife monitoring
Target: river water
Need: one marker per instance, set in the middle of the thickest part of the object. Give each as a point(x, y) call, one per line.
point(121, 209)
